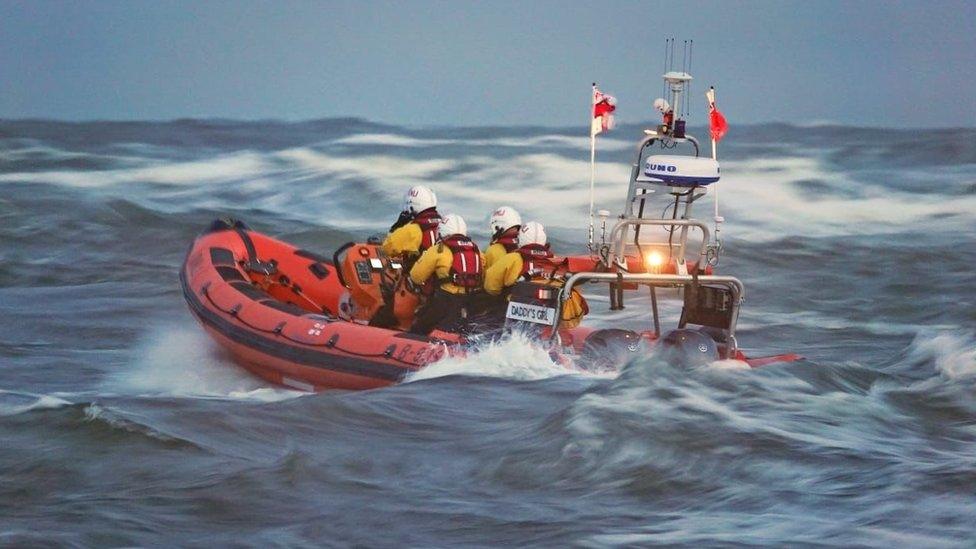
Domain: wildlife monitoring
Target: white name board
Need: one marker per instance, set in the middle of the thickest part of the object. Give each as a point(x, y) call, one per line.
point(531, 313)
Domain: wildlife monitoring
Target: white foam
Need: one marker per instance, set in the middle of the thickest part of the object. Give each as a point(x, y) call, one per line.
point(539, 183)
point(760, 202)
point(515, 357)
point(581, 143)
point(760, 199)
point(180, 360)
point(221, 168)
point(390, 140)
point(730, 364)
point(372, 167)
point(953, 353)
point(14, 403)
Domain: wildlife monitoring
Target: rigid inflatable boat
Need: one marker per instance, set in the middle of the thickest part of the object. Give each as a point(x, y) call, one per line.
point(300, 319)
point(274, 308)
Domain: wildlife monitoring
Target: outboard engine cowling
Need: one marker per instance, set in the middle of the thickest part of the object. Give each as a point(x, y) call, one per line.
point(689, 348)
point(610, 348)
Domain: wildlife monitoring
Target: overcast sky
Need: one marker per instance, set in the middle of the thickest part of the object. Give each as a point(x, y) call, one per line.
point(488, 63)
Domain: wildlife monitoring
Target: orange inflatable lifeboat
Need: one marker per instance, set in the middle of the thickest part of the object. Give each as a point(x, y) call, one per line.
point(299, 319)
point(276, 309)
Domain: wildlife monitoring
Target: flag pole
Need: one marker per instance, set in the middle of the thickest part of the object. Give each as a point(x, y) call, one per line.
point(592, 163)
point(710, 95)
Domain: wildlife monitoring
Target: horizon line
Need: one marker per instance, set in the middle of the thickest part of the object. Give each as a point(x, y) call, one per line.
point(813, 124)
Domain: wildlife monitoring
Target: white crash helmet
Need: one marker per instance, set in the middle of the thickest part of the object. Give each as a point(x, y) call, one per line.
point(452, 224)
point(532, 233)
point(662, 105)
point(419, 198)
point(503, 218)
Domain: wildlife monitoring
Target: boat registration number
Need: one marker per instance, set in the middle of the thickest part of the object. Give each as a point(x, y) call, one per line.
point(531, 313)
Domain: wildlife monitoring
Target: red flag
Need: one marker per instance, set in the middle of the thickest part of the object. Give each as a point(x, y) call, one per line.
point(718, 124)
point(715, 119)
point(603, 107)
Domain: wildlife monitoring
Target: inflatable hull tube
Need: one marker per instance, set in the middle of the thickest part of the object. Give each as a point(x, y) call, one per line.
point(272, 307)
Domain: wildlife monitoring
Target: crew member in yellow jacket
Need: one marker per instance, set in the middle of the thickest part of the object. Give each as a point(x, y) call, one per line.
point(504, 226)
point(416, 228)
point(451, 273)
point(412, 233)
point(533, 261)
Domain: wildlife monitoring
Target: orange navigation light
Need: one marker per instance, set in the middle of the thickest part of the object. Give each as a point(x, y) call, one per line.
point(654, 261)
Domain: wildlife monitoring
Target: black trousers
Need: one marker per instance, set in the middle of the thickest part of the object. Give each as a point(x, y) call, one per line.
point(487, 312)
point(383, 317)
point(443, 311)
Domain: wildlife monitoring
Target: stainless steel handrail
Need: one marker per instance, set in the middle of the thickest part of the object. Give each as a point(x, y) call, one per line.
point(650, 279)
point(618, 239)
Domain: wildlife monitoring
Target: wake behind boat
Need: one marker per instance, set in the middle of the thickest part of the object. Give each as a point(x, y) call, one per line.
point(300, 319)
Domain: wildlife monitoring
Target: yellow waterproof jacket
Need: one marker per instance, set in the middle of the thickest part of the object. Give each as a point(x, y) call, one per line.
point(506, 272)
point(503, 273)
point(405, 240)
point(494, 252)
point(436, 261)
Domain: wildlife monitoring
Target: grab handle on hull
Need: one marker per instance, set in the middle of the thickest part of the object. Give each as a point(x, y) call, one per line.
point(335, 261)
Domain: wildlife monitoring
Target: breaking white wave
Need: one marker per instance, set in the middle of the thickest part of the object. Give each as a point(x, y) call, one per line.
point(761, 198)
point(730, 364)
point(515, 357)
point(14, 403)
point(307, 162)
point(481, 179)
point(581, 143)
point(759, 201)
point(952, 353)
point(220, 168)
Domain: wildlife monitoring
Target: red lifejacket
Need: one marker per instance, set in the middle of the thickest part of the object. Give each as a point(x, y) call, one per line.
point(508, 239)
point(428, 220)
point(467, 270)
point(537, 262)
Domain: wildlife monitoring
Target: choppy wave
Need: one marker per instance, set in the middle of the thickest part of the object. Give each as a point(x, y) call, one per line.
point(853, 244)
point(14, 403)
point(515, 357)
point(811, 196)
